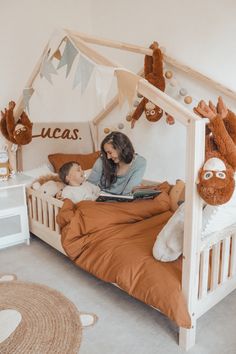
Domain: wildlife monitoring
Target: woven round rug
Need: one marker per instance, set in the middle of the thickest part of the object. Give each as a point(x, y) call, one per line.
point(50, 322)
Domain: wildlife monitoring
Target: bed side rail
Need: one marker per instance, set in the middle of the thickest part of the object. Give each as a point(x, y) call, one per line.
point(217, 268)
point(43, 209)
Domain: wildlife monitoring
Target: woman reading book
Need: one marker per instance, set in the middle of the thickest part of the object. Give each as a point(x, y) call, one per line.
point(119, 169)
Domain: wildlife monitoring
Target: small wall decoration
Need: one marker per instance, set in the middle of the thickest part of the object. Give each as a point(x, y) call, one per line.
point(4, 166)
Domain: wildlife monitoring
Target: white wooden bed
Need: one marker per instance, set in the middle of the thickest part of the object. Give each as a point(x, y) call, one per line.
point(209, 267)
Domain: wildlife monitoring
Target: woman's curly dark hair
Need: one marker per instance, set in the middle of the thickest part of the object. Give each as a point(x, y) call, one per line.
point(122, 144)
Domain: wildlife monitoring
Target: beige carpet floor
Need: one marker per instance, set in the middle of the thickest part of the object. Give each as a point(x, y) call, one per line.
point(125, 326)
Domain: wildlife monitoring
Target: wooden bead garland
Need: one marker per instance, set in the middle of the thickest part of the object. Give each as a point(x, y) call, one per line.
point(121, 126)
point(128, 117)
point(183, 92)
point(188, 99)
point(168, 74)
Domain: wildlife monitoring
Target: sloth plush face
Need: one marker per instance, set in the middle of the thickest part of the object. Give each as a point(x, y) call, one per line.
point(216, 182)
point(22, 134)
point(153, 112)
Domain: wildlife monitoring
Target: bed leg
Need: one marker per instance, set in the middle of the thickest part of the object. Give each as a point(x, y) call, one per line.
point(187, 337)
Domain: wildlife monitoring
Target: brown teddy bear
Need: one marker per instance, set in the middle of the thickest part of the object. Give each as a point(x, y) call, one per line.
point(153, 72)
point(216, 181)
point(19, 133)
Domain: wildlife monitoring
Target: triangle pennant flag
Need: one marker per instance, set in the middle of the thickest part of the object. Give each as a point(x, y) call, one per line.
point(83, 73)
point(55, 42)
point(68, 56)
point(57, 55)
point(127, 85)
point(104, 76)
point(27, 93)
point(47, 69)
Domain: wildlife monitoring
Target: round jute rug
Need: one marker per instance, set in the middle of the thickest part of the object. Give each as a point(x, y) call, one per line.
point(50, 322)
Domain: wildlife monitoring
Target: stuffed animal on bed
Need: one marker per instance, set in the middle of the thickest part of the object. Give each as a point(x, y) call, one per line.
point(216, 177)
point(19, 133)
point(153, 72)
point(49, 185)
point(177, 194)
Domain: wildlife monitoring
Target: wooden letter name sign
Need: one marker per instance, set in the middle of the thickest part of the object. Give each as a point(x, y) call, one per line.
point(58, 133)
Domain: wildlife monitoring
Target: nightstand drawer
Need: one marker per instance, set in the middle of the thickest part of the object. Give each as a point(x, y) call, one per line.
point(14, 227)
point(11, 198)
point(10, 225)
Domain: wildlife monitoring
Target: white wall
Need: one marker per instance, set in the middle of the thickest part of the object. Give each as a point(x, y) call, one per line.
point(197, 33)
point(25, 28)
point(200, 34)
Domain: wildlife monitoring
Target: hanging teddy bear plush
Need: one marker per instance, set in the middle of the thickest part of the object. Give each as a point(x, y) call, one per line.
point(216, 181)
point(19, 133)
point(153, 72)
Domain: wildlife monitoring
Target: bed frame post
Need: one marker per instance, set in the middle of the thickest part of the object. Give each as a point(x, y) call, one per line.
point(192, 227)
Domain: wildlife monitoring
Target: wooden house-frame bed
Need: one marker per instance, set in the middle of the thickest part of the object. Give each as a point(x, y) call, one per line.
point(209, 266)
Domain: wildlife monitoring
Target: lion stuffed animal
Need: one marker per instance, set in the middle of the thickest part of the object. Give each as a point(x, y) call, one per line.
point(49, 185)
point(216, 181)
point(19, 133)
point(153, 72)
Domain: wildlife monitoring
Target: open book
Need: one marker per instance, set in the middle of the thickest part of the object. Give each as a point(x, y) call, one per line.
point(138, 194)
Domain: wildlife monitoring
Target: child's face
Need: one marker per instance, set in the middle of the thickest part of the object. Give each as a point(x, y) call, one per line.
point(75, 176)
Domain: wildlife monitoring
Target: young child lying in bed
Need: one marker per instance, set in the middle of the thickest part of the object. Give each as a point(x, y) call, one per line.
point(77, 188)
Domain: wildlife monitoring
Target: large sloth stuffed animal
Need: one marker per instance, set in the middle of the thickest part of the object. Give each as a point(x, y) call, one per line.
point(153, 72)
point(216, 178)
point(19, 133)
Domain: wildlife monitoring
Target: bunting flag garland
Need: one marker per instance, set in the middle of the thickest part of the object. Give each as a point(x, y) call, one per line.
point(47, 69)
point(68, 56)
point(104, 76)
point(83, 73)
point(55, 42)
point(27, 93)
point(127, 85)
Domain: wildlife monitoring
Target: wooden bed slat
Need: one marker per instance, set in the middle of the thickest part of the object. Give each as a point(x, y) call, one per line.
point(34, 207)
point(39, 210)
point(233, 256)
point(57, 228)
point(225, 259)
point(45, 213)
point(50, 216)
point(215, 266)
point(204, 270)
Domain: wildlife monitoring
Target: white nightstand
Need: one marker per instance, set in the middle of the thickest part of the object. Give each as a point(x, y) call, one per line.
point(14, 227)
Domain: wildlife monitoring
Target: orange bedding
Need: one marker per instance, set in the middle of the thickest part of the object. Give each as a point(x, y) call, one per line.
point(114, 241)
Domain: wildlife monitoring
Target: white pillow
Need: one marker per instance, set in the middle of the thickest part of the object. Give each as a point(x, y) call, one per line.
point(39, 171)
point(169, 243)
point(216, 218)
